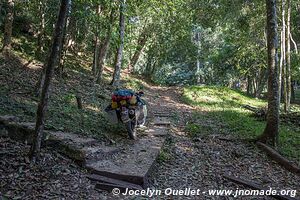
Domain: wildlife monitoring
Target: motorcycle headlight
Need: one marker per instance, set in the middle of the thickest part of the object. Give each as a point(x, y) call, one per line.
point(131, 112)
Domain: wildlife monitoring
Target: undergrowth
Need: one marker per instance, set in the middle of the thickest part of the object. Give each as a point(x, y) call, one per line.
point(17, 95)
point(222, 113)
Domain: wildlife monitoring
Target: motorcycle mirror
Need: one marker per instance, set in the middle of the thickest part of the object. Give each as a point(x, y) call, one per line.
point(141, 92)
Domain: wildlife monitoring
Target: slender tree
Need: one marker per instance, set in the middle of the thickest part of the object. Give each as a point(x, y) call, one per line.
point(118, 63)
point(61, 58)
point(142, 40)
point(102, 55)
point(63, 49)
point(282, 52)
point(288, 58)
point(41, 30)
point(270, 134)
point(8, 25)
point(49, 69)
point(97, 43)
point(104, 48)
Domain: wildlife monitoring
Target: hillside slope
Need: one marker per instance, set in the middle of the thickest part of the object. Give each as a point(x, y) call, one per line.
point(19, 77)
point(224, 113)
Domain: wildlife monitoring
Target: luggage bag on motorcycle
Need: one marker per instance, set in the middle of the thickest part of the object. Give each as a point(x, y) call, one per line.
point(118, 98)
point(123, 97)
point(112, 116)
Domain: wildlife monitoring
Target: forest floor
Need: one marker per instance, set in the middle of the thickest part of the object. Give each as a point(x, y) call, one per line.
point(189, 159)
point(200, 161)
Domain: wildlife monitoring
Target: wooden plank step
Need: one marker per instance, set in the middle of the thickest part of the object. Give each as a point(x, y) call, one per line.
point(105, 180)
point(129, 161)
point(133, 164)
point(163, 114)
point(162, 121)
point(109, 187)
point(72, 145)
point(135, 180)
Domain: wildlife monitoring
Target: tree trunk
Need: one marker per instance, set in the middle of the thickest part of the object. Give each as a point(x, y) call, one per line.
point(79, 102)
point(95, 54)
point(254, 85)
point(139, 49)
point(248, 85)
point(149, 68)
point(104, 48)
point(136, 55)
point(288, 59)
point(69, 43)
point(293, 97)
point(117, 72)
point(96, 44)
point(280, 69)
point(101, 57)
point(41, 31)
point(43, 104)
point(261, 83)
point(282, 65)
point(270, 134)
point(8, 25)
point(294, 43)
point(40, 83)
point(63, 50)
point(60, 62)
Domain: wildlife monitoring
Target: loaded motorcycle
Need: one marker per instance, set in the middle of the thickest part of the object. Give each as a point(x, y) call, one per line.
point(128, 108)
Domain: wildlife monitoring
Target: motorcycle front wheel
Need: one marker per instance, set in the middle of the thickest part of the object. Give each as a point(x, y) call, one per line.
point(131, 129)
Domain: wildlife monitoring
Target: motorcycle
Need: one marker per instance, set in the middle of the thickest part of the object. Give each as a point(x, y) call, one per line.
point(129, 108)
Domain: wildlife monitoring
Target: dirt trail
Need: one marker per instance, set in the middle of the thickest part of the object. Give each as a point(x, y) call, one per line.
point(200, 163)
point(168, 100)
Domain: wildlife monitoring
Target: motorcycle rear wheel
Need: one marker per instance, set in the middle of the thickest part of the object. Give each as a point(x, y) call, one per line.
point(131, 129)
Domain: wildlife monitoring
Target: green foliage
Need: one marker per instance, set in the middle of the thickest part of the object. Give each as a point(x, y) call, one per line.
point(219, 98)
point(165, 154)
point(174, 75)
point(223, 114)
point(194, 129)
point(25, 46)
point(231, 46)
point(10, 105)
point(134, 84)
point(163, 157)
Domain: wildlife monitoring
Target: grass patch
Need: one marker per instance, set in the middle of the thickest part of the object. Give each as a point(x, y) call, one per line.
point(163, 157)
point(165, 154)
point(218, 98)
point(133, 84)
point(223, 114)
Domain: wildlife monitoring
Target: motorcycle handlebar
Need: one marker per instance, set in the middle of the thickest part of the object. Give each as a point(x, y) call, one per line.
point(140, 93)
